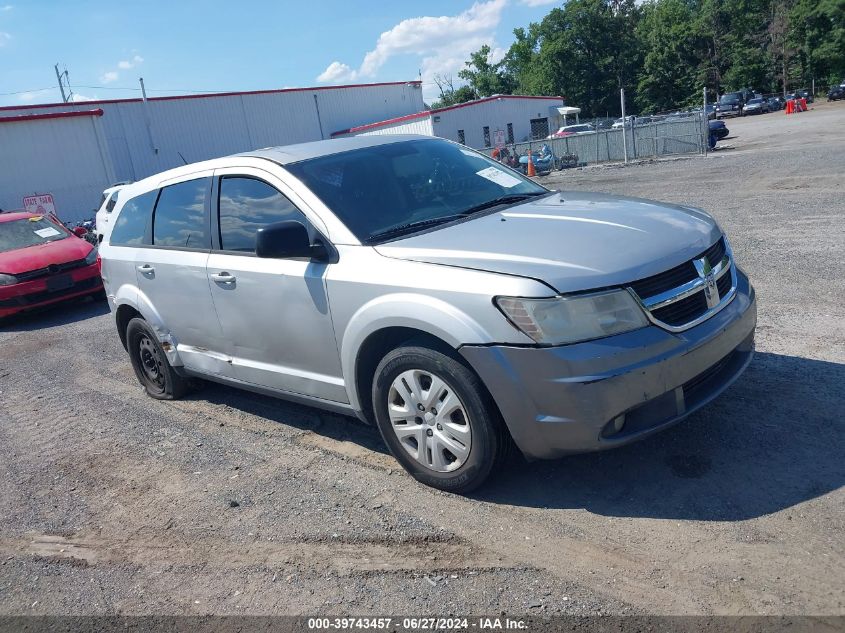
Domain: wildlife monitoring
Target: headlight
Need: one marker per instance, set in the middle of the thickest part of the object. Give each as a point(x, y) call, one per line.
point(7, 280)
point(91, 257)
point(561, 320)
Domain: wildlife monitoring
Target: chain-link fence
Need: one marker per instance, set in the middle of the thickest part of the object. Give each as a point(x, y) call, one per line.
point(608, 142)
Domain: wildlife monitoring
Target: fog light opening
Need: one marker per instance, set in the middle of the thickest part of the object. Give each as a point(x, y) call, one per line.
point(615, 426)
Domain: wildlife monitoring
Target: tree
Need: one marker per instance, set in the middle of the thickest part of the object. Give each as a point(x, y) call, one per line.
point(668, 77)
point(449, 95)
point(484, 77)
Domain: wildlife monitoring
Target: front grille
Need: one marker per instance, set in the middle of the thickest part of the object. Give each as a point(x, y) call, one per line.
point(56, 269)
point(683, 311)
point(689, 308)
point(724, 284)
point(38, 297)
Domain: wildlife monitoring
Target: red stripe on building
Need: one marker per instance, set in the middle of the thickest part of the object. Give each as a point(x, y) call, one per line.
point(50, 115)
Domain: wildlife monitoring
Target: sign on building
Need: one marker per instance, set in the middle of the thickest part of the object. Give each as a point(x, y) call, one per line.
point(42, 204)
point(499, 138)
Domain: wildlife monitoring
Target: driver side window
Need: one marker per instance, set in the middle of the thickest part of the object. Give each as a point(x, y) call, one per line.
point(246, 205)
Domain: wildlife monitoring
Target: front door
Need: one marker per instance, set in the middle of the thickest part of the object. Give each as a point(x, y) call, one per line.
point(274, 313)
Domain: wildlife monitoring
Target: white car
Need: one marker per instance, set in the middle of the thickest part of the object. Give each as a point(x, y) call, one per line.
point(107, 203)
point(573, 130)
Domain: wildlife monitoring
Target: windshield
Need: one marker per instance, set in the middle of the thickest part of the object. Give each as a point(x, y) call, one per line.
point(374, 190)
point(17, 234)
point(753, 101)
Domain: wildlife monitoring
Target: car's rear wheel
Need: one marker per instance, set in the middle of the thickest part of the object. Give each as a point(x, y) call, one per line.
point(150, 363)
point(437, 418)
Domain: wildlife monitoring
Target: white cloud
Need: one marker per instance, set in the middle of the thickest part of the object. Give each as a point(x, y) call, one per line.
point(538, 3)
point(26, 96)
point(109, 77)
point(6, 7)
point(126, 65)
point(75, 97)
point(4, 37)
point(442, 43)
point(337, 72)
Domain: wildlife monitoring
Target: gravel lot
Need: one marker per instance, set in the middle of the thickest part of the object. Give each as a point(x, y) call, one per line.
point(231, 503)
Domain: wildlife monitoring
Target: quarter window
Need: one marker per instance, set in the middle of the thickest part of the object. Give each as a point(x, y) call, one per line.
point(179, 218)
point(246, 205)
point(112, 202)
point(131, 224)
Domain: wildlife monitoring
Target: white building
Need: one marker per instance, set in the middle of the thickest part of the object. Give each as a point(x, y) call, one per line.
point(478, 124)
point(74, 150)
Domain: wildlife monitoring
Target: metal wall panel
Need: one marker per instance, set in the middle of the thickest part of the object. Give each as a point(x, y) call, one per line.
point(495, 115)
point(421, 125)
point(30, 164)
point(165, 133)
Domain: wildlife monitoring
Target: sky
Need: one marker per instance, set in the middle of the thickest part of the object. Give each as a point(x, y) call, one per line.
point(183, 46)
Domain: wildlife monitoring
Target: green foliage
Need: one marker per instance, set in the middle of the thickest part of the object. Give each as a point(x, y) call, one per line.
point(663, 51)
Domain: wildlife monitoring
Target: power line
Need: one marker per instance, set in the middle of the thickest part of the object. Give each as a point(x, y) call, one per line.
point(23, 92)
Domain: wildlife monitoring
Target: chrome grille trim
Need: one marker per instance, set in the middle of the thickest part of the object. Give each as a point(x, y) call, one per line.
point(688, 289)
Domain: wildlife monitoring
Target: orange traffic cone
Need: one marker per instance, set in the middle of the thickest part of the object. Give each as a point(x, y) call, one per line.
point(530, 170)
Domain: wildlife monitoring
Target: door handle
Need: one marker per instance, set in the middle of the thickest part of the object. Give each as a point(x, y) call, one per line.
point(223, 278)
point(146, 269)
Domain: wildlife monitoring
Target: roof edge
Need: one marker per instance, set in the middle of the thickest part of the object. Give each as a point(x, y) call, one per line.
point(204, 95)
point(50, 115)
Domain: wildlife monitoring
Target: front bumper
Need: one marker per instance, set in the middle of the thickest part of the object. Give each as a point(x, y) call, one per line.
point(37, 292)
point(562, 400)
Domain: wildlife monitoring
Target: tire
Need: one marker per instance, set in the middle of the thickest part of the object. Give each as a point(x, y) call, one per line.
point(458, 454)
point(150, 363)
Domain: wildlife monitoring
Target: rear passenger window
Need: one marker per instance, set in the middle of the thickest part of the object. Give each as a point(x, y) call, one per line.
point(246, 205)
point(131, 224)
point(179, 218)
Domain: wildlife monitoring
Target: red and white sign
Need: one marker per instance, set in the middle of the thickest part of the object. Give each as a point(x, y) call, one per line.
point(42, 204)
point(499, 138)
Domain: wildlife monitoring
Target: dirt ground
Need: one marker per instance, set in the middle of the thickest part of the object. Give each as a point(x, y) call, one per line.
point(231, 503)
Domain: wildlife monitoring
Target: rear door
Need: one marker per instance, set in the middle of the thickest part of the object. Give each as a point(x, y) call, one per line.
point(171, 270)
point(274, 312)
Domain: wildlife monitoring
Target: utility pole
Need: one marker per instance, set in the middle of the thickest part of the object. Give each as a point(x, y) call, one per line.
point(147, 119)
point(624, 126)
point(64, 77)
point(706, 116)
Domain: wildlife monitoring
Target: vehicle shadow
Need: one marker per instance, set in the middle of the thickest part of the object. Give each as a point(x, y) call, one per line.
point(62, 313)
point(330, 425)
point(773, 440)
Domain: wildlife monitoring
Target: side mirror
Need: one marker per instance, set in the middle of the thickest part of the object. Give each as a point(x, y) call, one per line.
point(80, 231)
point(287, 240)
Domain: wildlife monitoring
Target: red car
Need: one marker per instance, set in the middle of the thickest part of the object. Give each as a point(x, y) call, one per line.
point(41, 262)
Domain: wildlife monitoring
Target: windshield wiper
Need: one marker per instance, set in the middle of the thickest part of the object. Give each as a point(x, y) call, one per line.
point(413, 226)
point(495, 202)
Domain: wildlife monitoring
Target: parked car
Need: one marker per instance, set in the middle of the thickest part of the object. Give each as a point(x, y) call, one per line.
point(107, 202)
point(428, 289)
point(42, 262)
point(718, 129)
point(730, 104)
point(573, 130)
point(776, 104)
point(757, 105)
point(836, 93)
point(805, 94)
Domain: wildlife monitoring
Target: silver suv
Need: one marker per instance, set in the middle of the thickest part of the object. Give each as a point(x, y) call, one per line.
point(421, 286)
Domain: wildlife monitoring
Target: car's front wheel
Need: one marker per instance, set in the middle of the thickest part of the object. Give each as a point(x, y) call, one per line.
point(437, 418)
point(150, 363)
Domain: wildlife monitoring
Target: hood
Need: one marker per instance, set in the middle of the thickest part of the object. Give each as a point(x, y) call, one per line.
point(570, 240)
point(39, 256)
